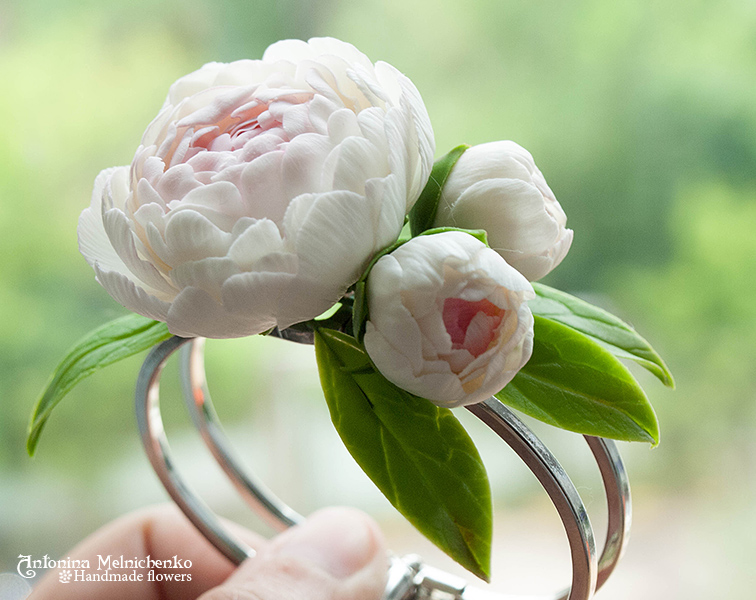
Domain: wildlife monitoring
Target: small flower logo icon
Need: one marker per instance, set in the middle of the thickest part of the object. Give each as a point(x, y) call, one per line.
point(65, 576)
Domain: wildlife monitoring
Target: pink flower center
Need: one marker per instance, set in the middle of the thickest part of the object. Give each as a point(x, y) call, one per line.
point(471, 325)
point(233, 131)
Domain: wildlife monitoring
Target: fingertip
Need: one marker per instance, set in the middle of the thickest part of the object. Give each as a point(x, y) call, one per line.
point(341, 541)
point(335, 553)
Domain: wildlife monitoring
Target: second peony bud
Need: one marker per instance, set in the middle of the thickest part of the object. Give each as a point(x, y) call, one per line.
point(497, 187)
point(448, 319)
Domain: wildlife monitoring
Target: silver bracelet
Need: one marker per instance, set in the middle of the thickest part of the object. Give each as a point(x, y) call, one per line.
point(408, 577)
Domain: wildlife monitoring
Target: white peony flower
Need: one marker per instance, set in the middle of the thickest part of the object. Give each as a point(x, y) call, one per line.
point(261, 190)
point(497, 187)
point(448, 319)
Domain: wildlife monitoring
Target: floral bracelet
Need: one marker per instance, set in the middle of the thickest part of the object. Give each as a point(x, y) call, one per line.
point(299, 193)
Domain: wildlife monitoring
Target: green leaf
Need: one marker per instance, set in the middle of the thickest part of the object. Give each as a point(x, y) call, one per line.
point(614, 334)
point(480, 234)
point(418, 454)
point(572, 382)
point(359, 309)
point(423, 213)
point(104, 346)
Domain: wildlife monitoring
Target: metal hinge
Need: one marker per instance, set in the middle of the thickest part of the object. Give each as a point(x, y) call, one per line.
point(410, 579)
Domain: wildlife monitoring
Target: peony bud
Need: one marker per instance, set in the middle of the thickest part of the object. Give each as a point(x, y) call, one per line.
point(261, 190)
point(497, 187)
point(448, 319)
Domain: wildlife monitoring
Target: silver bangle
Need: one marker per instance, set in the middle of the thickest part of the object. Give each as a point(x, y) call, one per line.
point(408, 577)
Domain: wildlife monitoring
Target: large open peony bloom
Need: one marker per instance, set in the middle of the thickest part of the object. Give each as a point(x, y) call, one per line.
point(448, 319)
point(261, 190)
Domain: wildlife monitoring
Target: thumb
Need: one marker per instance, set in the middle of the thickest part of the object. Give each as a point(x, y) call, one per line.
point(336, 554)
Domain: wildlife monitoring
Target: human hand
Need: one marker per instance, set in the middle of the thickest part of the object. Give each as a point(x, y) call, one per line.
point(336, 554)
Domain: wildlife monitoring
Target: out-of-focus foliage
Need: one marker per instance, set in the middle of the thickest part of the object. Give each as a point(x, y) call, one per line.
point(701, 304)
point(640, 114)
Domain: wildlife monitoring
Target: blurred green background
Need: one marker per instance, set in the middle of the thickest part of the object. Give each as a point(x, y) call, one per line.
point(641, 115)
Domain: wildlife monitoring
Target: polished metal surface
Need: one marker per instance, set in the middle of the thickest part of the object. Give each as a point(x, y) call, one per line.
point(158, 451)
point(409, 578)
point(197, 398)
point(558, 486)
point(619, 507)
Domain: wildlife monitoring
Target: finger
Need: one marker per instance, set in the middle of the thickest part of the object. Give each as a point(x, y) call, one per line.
point(160, 532)
point(336, 554)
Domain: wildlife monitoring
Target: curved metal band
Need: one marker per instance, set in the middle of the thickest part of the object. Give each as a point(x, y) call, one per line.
point(200, 406)
point(408, 576)
point(158, 451)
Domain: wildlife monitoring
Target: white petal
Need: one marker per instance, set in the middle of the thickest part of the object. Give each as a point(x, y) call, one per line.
point(534, 267)
point(370, 122)
point(176, 182)
point(295, 217)
point(389, 79)
point(223, 101)
point(158, 124)
point(400, 162)
point(342, 124)
point(397, 366)
point(320, 111)
point(128, 294)
point(302, 165)
point(390, 316)
point(94, 243)
point(259, 145)
point(220, 203)
point(334, 70)
point(332, 46)
point(257, 240)
point(190, 236)
point(358, 161)
point(262, 187)
point(387, 196)
point(242, 72)
point(520, 222)
point(208, 274)
point(145, 194)
point(282, 298)
point(365, 82)
point(195, 313)
point(336, 240)
point(322, 81)
point(443, 387)
point(289, 50)
point(121, 236)
point(194, 82)
point(436, 340)
point(494, 160)
point(296, 121)
point(447, 391)
point(117, 189)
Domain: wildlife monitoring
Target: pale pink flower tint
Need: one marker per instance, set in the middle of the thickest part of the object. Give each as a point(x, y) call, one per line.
point(261, 190)
point(448, 319)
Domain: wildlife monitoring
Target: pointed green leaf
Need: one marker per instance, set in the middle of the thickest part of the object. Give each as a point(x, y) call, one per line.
point(418, 454)
point(572, 382)
point(105, 345)
point(423, 213)
point(617, 336)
